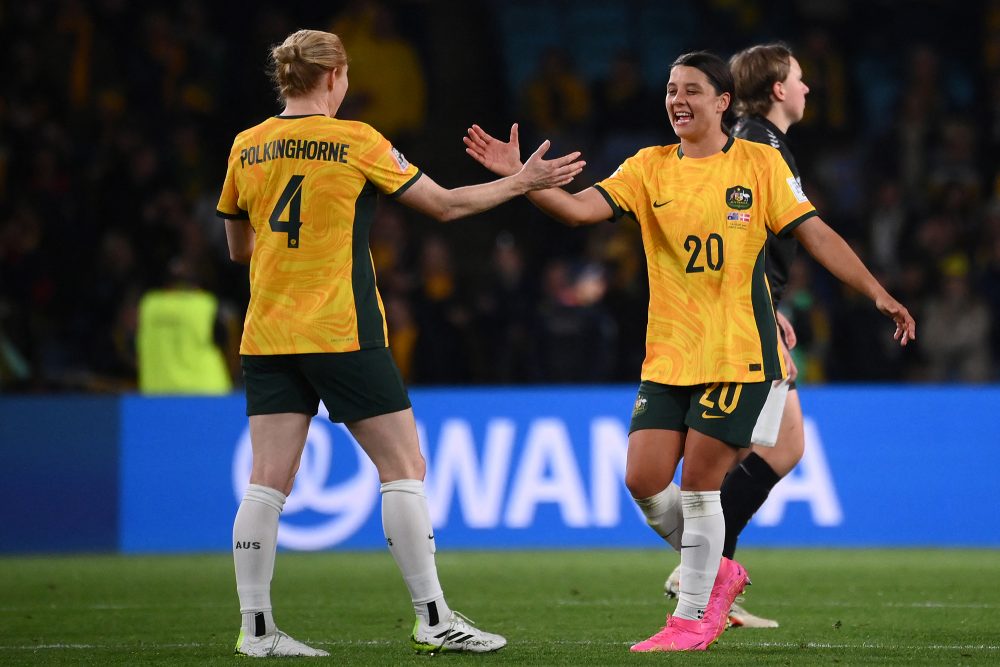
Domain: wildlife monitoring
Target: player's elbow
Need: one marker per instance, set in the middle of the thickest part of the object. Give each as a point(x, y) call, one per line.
point(574, 218)
point(447, 214)
point(240, 255)
point(573, 221)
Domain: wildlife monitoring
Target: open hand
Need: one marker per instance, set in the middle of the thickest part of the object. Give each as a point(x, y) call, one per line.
point(906, 327)
point(540, 174)
point(503, 158)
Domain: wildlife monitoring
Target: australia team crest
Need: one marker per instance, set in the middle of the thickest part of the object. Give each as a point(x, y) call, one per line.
point(739, 197)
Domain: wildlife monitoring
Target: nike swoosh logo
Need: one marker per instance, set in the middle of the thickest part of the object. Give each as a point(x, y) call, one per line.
point(657, 204)
point(705, 415)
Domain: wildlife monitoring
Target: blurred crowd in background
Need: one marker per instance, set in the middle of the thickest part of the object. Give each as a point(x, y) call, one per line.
point(116, 120)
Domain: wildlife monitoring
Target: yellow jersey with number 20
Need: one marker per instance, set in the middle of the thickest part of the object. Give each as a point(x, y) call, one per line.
point(704, 222)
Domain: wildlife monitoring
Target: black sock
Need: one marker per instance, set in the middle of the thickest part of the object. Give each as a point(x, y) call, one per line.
point(744, 490)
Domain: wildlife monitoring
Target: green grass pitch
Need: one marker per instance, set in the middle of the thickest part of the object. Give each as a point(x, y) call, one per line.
point(892, 607)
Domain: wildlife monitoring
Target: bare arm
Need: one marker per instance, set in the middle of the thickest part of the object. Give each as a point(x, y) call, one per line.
point(830, 250)
point(503, 158)
point(240, 237)
point(537, 173)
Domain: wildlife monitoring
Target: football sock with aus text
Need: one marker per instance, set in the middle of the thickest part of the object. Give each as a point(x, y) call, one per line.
point(255, 540)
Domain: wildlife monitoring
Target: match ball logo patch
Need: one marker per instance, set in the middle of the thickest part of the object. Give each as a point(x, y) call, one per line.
point(400, 160)
point(739, 197)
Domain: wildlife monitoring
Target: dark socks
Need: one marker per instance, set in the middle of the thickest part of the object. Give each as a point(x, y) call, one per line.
point(744, 490)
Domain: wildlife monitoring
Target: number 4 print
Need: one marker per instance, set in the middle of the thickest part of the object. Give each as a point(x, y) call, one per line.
point(291, 198)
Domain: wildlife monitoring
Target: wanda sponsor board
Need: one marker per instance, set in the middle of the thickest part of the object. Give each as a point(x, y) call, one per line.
point(544, 468)
point(506, 468)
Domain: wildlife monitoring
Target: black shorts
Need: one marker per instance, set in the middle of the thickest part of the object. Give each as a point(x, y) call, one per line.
point(352, 385)
point(724, 410)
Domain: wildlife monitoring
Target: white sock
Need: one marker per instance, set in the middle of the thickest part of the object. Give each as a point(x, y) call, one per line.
point(663, 514)
point(255, 540)
point(407, 525)
point(701, 551)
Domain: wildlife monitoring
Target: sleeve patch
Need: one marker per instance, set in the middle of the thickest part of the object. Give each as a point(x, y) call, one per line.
point(400, 160)
point(795, 185)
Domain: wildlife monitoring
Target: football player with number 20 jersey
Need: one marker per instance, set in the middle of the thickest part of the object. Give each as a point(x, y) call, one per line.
point(705, 208)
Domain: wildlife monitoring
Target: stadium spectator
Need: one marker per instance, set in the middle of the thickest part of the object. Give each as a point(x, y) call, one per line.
point(506, 318)
point(443, 316)
point(389, 88)
point(699, 397)
point(577, 338)
point(957, 328)
point(556, 100)
point(298, 199)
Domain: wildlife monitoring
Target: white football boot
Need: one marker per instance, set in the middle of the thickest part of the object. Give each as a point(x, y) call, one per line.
point(458, 634)
point(275, 645)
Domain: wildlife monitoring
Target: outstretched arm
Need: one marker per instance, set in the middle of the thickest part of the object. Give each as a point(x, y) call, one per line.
point(504, 157)
point(537, 173)
point(830, 250)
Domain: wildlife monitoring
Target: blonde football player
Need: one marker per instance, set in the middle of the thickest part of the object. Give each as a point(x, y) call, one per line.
point(298, 200)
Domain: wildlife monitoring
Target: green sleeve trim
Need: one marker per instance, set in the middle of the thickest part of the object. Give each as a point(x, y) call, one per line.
point(786, 231)
point(616, 210)
point(406, 186)
point(239, 215)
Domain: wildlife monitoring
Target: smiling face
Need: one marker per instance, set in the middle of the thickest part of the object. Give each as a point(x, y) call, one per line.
point(693, 106)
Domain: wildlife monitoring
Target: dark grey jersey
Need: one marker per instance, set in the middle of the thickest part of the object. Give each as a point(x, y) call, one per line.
point(779, 252)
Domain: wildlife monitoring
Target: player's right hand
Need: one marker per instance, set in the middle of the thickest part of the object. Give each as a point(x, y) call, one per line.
point(541, 174)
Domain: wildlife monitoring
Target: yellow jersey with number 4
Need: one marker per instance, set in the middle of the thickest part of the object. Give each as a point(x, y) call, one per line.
point(309, 186)
point(704, 222)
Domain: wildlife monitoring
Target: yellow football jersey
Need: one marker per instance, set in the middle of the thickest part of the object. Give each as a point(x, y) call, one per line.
point(704, 222)
point(309, 186)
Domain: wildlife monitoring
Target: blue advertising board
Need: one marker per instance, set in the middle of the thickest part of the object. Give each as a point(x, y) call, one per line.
point(533, 468)
point(506, 468)
point(59, 478)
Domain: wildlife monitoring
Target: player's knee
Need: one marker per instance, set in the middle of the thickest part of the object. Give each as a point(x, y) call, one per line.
point(641, 484)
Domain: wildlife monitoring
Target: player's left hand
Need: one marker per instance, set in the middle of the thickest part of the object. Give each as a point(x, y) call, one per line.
point(906, 327)
point(787, 329)
point(793, 370)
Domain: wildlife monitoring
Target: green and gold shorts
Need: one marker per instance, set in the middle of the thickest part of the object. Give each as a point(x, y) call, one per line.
point(724, 410)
